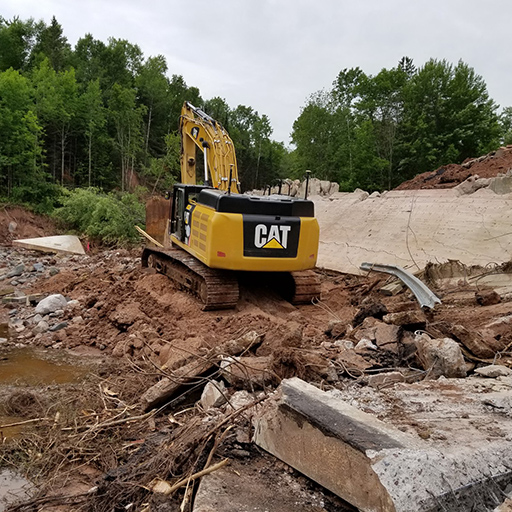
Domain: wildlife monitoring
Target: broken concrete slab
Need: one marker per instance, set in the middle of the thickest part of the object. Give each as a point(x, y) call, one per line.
point(377, 467)
point(59, 243)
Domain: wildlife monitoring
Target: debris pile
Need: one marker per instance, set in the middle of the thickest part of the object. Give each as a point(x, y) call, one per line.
point(485, 167)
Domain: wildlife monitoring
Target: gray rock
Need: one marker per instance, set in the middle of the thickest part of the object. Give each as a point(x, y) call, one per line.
point(12, 226)
point(38, 267)
point(41, 327)
point(54, 271)
point(51, 304)
point(17, 271)
point(59, 326)
point(493, 371)
point(364, 345)
point(36, 319)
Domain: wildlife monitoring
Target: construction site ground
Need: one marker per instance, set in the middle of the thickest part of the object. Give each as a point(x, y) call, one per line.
point(100, 440)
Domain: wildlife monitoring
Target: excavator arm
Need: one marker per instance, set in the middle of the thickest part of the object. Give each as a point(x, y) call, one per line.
point(199, 130)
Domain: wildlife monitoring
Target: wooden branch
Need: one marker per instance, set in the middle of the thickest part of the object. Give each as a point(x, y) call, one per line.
point(26, 422)
point(195, 476)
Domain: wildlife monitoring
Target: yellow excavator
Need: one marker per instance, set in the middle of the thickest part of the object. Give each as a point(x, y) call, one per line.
point(212, 232)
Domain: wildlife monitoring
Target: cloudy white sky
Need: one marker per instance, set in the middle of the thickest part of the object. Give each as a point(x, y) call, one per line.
point(271, 54)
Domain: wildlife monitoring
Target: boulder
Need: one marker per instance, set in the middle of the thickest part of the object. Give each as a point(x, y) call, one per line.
point(51, 304)
point(440, 357)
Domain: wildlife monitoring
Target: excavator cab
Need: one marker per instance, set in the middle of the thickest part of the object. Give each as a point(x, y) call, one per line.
point(183, 201)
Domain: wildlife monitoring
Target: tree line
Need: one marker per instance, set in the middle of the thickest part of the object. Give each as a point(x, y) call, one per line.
point(376, 131)
point(102, 115)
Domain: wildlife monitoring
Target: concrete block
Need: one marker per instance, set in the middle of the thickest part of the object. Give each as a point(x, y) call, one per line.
point(374, 466)
point(60, 243)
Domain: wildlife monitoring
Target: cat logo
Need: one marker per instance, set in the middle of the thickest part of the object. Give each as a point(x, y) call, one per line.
point(195, 132)
point(273, 237)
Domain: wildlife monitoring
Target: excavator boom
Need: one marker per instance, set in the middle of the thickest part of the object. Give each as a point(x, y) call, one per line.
point(199, 130)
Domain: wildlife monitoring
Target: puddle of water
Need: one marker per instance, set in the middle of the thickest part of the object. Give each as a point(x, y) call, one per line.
point(10, 432)
point(13, 487)
point(24, 366)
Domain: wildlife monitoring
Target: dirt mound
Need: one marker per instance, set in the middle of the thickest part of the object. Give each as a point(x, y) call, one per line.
point(16, 222)
point(449, 176)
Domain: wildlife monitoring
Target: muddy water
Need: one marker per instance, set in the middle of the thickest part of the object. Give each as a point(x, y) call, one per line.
point(26, 367)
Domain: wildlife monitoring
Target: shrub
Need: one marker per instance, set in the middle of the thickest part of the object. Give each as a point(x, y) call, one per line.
point(108, 218)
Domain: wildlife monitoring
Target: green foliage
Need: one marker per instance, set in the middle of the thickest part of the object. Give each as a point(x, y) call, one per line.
point(376, 131)
point(109, 218)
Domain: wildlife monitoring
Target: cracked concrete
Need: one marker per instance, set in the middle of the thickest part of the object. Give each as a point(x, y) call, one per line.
point(410, 228)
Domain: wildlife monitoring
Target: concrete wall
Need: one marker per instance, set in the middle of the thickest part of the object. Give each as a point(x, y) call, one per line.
point(411, 228)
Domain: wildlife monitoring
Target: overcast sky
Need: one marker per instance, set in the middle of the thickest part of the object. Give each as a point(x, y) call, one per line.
point(272, 54)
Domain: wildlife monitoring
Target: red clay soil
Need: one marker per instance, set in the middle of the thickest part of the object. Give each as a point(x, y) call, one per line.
point(449, 176)
point(16, 222)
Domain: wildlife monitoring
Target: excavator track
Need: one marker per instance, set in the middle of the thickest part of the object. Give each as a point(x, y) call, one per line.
point(217, 289)
point(306, 287)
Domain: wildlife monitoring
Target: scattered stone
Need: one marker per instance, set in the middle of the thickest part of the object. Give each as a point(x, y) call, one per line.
point(487, 297)
point(12, 226)
point(38, 267)
point(214, 394)
point(493, 371)
point(344, 344)
point(51, 304)
point(59, 326)
point(364, 345)
point(36, 319)
point(17, 271)
point(474, 341)
point(385, 379)
point(440, 357)
point(240, 399)
point(53, 271)
point(41, 327)
point(411, 319)
point(336, 329)
point(376, 310)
